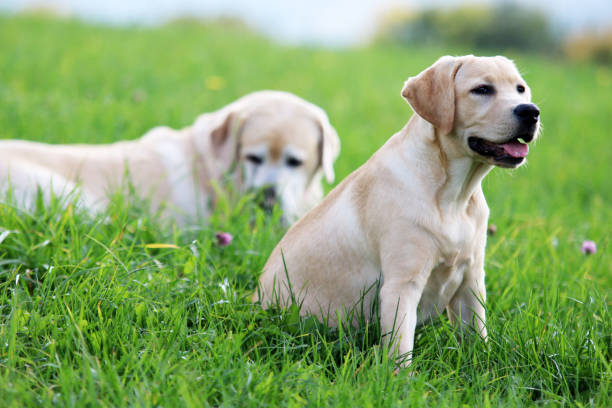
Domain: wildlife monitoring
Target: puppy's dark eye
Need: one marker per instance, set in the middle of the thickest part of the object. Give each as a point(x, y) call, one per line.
point(293, 162)
point(483, 90)
point(520, 88)
point(256, 160)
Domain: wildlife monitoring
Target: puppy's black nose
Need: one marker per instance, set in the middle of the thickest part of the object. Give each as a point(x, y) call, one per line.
point(528, 113)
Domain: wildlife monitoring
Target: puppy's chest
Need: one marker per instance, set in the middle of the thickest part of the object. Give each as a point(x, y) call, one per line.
point(456, 239)
point(456, 252)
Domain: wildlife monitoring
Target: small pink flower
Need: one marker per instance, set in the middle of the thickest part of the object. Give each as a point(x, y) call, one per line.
point(589, 247)
point(492, 229)
point(224, 238)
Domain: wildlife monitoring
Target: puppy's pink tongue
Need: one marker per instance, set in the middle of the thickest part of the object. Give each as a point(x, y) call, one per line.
point(516, 149)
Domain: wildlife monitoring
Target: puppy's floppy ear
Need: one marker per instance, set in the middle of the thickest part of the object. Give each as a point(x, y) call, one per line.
point(431, 94)
point(329, 146)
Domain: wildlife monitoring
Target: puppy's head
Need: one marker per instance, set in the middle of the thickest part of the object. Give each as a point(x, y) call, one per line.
point(481, 103)
point(279, 146)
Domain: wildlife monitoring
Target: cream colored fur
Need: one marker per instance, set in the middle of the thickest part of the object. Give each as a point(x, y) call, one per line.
point(175, 168)
point(413, 218)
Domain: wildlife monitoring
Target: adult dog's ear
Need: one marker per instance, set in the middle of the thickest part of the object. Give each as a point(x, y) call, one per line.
point(329, 147)
point(219, 133)
point(431, 94)
point(224, 139)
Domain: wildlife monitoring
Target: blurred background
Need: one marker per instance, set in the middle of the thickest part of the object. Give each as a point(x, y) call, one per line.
point(81, 71)
point(578, 29)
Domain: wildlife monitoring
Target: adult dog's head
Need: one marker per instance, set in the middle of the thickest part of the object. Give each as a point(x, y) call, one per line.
point(481, 103)
point(276, 144)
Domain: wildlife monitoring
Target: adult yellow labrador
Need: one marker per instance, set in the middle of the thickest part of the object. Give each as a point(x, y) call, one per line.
point(413, 218)
point(268, 139)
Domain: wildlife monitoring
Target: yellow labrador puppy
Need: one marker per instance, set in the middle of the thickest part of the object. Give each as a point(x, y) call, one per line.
point(268, 139)
point(413, 218)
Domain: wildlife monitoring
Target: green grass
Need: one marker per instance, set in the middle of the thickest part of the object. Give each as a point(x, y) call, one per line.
point(92, 314)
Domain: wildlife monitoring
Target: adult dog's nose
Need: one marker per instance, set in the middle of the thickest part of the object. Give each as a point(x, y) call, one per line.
point(269, 193)
point(528, 113)
point(267, 198)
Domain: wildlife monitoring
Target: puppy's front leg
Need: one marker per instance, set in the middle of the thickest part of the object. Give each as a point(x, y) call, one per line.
point(398, 315)
point(406, 262)
point(466, 308)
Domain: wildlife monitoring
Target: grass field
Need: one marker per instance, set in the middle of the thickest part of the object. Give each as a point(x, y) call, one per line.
point(94, 313)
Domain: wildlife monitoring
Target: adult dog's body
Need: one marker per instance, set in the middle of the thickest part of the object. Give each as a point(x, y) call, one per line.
point(413, 218)
point(266, 139)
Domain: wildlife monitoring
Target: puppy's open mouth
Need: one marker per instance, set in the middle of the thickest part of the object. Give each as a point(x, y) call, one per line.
point(512, 152)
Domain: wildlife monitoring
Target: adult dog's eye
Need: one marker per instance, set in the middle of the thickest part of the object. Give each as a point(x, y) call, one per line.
point(520, 88)
point(483, 90)
point(293, 162)
point(256, 160)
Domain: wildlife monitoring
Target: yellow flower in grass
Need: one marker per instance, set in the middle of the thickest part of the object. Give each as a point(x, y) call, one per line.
point(215, 83)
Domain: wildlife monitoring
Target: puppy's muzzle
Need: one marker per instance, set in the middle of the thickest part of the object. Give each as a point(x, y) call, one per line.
point(512, 151)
